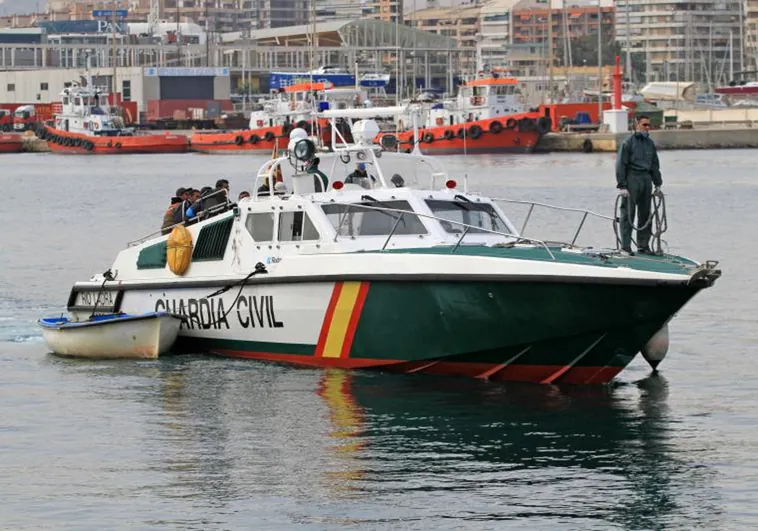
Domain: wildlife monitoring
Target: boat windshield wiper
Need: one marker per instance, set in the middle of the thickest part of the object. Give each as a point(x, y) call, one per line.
point(460, 204)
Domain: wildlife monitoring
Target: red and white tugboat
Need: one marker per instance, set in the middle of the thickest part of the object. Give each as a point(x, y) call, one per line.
point(487, 116)
point(85, 123)
point(293, 107)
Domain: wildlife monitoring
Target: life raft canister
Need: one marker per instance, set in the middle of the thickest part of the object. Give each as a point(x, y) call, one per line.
point(179, 250)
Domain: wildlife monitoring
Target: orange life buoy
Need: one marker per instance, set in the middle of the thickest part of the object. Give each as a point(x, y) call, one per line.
point(440, 121)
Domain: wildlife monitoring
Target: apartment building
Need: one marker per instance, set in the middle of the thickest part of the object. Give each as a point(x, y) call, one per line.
point(750, 33)
point(459, 23)
point(698, 40)
point(386, 10)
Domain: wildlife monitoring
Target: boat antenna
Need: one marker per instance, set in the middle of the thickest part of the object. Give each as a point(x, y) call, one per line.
point(465, 165)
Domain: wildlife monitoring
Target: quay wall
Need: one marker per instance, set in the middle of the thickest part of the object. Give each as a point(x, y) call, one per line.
point(710, 138)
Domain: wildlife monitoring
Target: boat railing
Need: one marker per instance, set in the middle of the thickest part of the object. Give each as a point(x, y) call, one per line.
point(202, 215)
point(398, 215)
point(532, 204)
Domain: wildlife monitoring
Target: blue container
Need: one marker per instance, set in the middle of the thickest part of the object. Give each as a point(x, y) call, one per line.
point(582, 118)
point(323, 106)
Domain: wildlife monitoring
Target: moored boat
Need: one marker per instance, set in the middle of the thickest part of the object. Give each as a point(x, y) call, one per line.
point(487, 116)
point(11, 142)
point(398, 269)
point(271, 124)
point(85, 124)
point(112, 335)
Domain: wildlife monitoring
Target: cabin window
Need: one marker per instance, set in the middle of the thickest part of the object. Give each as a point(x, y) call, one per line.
point(477, 215)
point(78, 101)
point(352, 220)
point(11, 87)
point(296, 227)
point(126, 90)
point(260, 225)
point(65, 100)
point(43, 86)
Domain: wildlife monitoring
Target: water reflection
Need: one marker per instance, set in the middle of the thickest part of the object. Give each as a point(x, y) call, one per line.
point(223, 431)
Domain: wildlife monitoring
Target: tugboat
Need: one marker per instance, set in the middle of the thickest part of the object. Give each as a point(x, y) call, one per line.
point(269, 125)
point(86, 123)
point(488, 116)
point(399, 269)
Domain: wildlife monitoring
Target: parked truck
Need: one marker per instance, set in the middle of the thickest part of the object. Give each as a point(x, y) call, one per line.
point(29, 117)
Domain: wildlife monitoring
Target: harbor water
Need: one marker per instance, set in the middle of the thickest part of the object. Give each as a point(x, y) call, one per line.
point(198, 442)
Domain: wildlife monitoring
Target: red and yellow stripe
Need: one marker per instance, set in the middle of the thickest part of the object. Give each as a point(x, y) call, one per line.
point(341, 319)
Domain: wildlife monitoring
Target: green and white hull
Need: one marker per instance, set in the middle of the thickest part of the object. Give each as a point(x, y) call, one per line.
point(411, 279)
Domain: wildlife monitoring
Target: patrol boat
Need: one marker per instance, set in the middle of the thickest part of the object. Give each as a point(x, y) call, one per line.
point(401, 270)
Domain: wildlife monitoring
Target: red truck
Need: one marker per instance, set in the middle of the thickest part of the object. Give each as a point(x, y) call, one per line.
point(28, 117)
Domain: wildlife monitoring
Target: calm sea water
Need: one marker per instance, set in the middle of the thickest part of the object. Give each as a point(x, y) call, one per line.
point(207, 443)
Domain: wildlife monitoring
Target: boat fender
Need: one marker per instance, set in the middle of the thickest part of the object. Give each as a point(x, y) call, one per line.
point(179, 250)
point(428, 137)
point(544, 124)
point(118, 145)
point(269, 136)
point(89, 145)
point(78, 142)
point(496, 127)
point(587, 145)
point(657, 347)
point(510, 123)
point(461, 132)
point(239, 140)
point(388, 141)
point(448, 134)
point(475, 131)
point(253, 139)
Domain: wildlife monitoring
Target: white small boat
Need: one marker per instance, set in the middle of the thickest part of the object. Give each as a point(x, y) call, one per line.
point(111, 336)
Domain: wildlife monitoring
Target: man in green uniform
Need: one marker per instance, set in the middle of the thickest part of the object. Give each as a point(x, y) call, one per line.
point(320, 180)
point(637, 170)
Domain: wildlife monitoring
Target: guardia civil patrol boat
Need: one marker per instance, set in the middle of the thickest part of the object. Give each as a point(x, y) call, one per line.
point(403, 270)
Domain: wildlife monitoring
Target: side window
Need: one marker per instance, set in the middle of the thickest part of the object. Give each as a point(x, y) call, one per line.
point(296, 227)
point(260, 226)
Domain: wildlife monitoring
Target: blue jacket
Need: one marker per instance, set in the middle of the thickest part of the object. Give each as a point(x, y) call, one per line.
point(637, 154)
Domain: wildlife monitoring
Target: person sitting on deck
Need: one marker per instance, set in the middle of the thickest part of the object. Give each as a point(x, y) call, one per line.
point(168, 216)
point(264, 189)
point(360, 176)
point(180, 214)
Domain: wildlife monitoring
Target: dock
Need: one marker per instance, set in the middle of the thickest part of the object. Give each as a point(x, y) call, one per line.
point(665, 139)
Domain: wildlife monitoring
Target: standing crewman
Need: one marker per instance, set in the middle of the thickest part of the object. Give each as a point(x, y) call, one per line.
point(637, 170)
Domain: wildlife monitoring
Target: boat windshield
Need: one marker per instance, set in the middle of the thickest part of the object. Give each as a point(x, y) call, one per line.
point(353, 220)
point(480, 215)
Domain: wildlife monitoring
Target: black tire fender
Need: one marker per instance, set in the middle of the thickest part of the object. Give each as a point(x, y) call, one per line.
point(495, 127)
point(587, 145)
